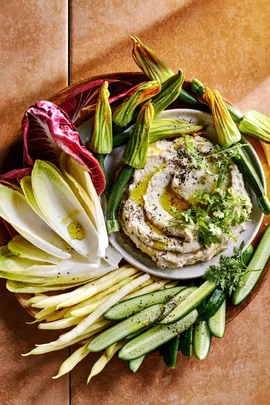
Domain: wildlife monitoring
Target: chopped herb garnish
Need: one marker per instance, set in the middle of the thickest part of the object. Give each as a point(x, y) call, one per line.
point(192, 150)
point(213, 215)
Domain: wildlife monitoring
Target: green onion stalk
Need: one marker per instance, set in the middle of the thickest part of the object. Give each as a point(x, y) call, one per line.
point(124, 113)
point(134, 157)
point(155, 68)
point(101, 141)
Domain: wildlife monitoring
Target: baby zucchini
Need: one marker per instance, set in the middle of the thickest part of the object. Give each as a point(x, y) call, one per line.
point(191, 302)
point(155, 337)
point(115, 197)
point(131, 306)
point(217, 322)
point(121, 330)
point(254, 269)
point(253, 180)
point(135, 364)
point(170, 352)
point(186, 340)
point(201, 340)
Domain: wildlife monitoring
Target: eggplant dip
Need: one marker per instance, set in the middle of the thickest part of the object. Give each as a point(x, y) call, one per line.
point(186, 203)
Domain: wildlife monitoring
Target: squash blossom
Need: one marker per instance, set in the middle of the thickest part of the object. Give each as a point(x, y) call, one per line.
point(198, 88)
point(149, 62)
point(256, 125)
point(226, 130)
point(137, 147)
point(156, 69)
point(124, 112)
point(102, 140)
point(169, 92)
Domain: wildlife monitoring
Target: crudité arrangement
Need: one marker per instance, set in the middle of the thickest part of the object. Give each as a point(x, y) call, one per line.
point(178, 197)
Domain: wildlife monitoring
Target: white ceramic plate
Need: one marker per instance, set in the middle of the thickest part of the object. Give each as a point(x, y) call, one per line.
point(139, 259)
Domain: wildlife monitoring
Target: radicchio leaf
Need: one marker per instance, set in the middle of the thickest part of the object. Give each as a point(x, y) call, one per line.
point(12, 179)
point(87, 94)
point(47, 131)
point(11, 231)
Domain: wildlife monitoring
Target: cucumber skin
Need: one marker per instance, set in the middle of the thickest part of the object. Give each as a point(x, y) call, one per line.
point(185, 344)
point(213, 305)
point(219, 333)
point(122, 329)
point(170, 352)
point(114, 315)
point(176, 300)
point(201, 331)
point(155, 337)
point(258, 262)
point(183, 308)
point(251, 279)
point(247, 254)
point(135, 364)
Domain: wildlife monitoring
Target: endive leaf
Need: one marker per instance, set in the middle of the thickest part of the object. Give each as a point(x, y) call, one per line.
point(62, 209)
point(3, 251)
point(15, 210)
point(79, 174)
point(80, 193)
point(26, 185)
point(19, 246)
point(12, 179)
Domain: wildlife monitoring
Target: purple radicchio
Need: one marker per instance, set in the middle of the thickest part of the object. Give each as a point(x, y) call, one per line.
point(87, 94)
point(47, 131)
